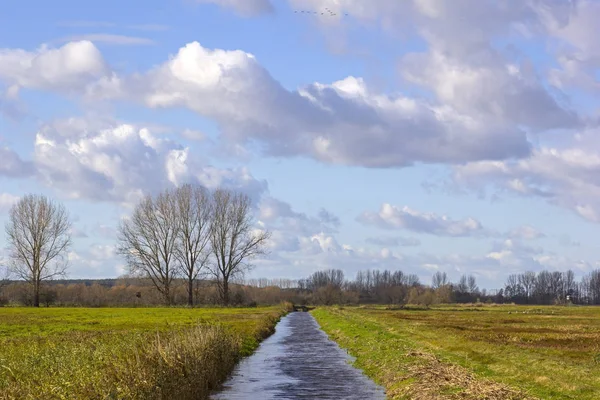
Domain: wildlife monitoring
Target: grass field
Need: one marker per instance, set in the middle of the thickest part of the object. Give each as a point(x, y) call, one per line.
point(468, 352)
point(137, 353)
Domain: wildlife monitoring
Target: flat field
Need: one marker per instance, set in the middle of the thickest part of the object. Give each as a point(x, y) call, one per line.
point(473, 352)
point(125, 353)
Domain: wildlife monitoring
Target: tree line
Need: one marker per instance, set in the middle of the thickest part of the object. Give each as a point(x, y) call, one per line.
point(322, 287)
point(188, 245)
point(176, 236)
point(554, 287)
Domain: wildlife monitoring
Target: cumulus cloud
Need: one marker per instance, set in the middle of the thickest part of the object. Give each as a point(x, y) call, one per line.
point(294, 231)
point(67, 69)
point(499, 92)
point(345, 122)
point(491, 267)
point(465, 68)
point(567, 177)
point(96, 161)
point(393, 217)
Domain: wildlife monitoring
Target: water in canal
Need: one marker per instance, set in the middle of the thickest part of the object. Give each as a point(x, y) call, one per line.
point(298, 362)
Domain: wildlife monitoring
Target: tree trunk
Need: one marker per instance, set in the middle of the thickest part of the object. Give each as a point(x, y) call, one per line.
point(167, 294)
point(191, 292)
point(225, 292)
point(36, 294)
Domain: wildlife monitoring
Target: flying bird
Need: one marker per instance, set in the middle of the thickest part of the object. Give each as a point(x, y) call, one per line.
point(326, 13)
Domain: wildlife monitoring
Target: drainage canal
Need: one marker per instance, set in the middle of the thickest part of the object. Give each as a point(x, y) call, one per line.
point(298, 362)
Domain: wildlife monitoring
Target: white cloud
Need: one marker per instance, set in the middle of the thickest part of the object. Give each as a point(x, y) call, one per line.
point(66, 69)
point(342, 123)
point(393, 217)
point(90, 160)
point(279, 215)
point(503, 94)
point(566, 177)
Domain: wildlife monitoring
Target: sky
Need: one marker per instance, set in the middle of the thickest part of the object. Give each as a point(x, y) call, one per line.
point(420, 135)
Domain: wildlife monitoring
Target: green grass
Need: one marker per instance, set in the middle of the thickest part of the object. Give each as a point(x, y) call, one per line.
point(464, 351)
point(112, 353)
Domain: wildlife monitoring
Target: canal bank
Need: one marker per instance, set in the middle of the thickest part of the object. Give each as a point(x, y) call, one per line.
point(298, 362)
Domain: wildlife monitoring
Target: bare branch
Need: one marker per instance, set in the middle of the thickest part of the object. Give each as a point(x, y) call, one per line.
point(148, 241)
point(234, 242)
point(194, 213)
point(39, 240)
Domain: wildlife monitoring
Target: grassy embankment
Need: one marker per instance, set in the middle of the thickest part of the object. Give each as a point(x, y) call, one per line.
point(111, 353)
point(467, 352)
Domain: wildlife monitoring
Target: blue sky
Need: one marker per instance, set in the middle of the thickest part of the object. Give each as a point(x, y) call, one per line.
point(460, 139)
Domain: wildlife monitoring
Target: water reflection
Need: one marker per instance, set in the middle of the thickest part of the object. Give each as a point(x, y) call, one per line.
point(298, 362)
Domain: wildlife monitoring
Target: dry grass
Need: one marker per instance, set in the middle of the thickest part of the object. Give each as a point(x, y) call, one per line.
point(180, 362)
point(434, 379)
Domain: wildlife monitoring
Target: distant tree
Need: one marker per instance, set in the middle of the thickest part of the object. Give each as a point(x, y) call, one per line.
point(512, 287)
point(472, 285)
point(570, 286)
point(148, 241)
point(194, 213)
point(527, 282)
point(439, 279)
point(38, 232)
point(330, 277)
point(234, 240)
point(463, 286)
point(542, 288)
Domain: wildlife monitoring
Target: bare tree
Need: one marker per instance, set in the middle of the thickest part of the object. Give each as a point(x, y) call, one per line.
point(439, 279)
point(194, 212)
point(234, 241)
point(38, 240)
point(472, 282)
point(148, 241)
point(527, 281)
point(463, 285)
